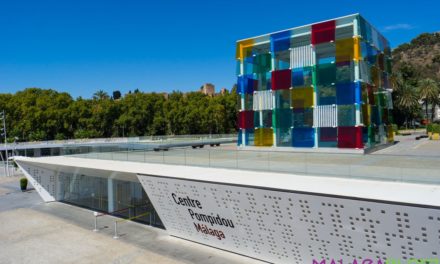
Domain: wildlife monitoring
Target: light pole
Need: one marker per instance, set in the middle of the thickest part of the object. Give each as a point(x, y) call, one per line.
point(3, 117)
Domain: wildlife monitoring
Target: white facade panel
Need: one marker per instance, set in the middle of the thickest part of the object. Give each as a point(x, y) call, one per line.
point(43, 180)
point(325, 116)
point(302, 57)
point(289, 227)
point(262, 100)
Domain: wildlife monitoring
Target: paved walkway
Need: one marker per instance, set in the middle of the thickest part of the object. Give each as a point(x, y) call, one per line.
point(35, 232)
point(409, 146)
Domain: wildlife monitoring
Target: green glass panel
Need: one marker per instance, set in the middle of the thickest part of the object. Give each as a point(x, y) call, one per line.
point(282, 99)
point(248, 101)
point(262, 63)
point(326, 73)
point(282, 118)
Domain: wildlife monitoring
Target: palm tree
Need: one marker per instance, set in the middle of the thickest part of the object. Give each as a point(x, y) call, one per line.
point(406, 98)
point(429, 93)
point(100, 95)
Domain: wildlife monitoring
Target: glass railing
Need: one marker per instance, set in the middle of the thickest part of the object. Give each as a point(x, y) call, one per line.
point(414, 169)
point(130, 140)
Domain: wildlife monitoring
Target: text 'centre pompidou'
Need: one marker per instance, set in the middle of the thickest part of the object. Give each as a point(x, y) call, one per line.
point(320, 85)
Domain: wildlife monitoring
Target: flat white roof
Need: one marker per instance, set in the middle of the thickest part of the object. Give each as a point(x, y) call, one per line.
point(400, 192)
point(299, 27)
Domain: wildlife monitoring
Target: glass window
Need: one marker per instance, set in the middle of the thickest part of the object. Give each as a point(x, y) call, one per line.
point(326, 94)
point(345, 72)
point(263, 118)
point(282, 99)
point(284, 137)
point(346, 115)
point(325, 53)
point(302, 117)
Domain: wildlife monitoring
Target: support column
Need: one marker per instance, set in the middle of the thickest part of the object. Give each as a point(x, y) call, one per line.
point(357, 70)
point(315, 93)
point(110, 195)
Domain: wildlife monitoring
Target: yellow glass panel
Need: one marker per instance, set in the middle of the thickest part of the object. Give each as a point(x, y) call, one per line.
point(357, 49)
point(366, 114)
point(244, 49)
point(264, 137)
point(344, 50)
point(348, 49)
point(302, 97)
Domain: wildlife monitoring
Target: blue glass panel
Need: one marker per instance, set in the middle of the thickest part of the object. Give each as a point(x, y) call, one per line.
point(280, 41)
point(248, 65)
point(372, 53)
point(248, 137)
point(297, 77)
point(302, 77)
point(240, 137)
point(348, 93)
point(303, 137)
point(326, 60)
point(246, 84)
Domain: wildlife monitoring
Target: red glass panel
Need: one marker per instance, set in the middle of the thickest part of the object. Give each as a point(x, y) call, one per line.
point(246, 119)
point(350, 137)
point(281, 79)
point(323, 32)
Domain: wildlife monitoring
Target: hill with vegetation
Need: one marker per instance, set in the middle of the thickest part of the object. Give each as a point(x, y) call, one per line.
point(416, 78)
point(421, 57)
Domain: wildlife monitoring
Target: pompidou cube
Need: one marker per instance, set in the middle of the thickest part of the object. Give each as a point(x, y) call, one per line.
point(324, 85)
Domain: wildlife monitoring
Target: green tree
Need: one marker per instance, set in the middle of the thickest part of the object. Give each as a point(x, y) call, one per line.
point(429, 93)
point(406, 100)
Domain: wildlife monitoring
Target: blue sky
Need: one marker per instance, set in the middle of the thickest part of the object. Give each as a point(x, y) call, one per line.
point(82, 46)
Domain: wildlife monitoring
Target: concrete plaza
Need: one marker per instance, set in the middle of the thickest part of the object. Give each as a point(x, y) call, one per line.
point(32, 231)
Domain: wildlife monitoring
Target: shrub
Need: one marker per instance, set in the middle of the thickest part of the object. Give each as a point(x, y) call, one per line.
point(429, 127)
point(23, 183)
point(436, 128)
